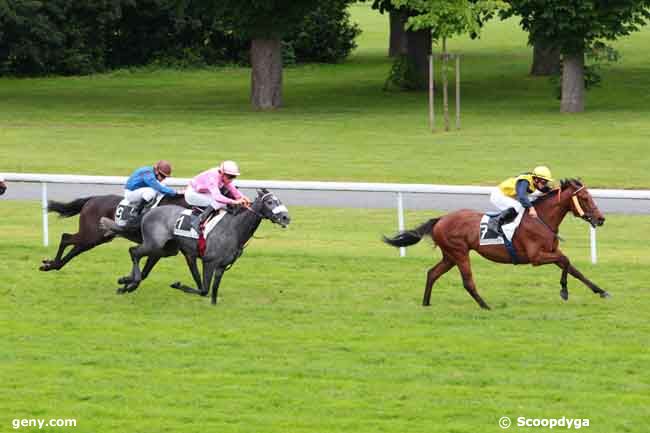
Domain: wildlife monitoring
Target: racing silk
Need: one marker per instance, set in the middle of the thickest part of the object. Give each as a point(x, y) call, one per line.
point(519, 187)
point(210, 181)
point(145, 177)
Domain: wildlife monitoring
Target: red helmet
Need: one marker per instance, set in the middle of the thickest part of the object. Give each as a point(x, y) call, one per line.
point(163, 167)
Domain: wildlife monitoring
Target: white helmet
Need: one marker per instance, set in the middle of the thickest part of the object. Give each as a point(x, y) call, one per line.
point(230, 168)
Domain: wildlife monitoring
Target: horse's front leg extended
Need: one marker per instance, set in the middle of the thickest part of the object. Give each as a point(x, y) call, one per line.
point(564, 263)
point(594, 288)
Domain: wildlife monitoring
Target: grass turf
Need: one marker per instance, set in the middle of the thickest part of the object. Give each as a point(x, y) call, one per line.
point(337, 120)
point(319, 328)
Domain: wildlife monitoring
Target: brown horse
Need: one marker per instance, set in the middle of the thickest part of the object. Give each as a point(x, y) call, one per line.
point(535, 242)
point(3, 187)
point(90, 210)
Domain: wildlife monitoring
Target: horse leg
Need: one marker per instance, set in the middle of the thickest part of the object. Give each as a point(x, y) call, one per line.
point(148, 266)
point(468, 282)
point(208, 273)
point(215, 285)
point(566, 266)
point(564, 292)
point(136, 253)
point(434, 273)
point(49, 265)
point(191, 263)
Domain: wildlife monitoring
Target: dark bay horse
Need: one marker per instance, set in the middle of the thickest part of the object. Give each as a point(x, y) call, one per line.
point(535, 241)
point(90, 235)
point(3, 187)
point(224, 244)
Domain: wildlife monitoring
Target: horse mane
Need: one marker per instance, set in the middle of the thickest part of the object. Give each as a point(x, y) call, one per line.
point(571, 181)
point(564, 183)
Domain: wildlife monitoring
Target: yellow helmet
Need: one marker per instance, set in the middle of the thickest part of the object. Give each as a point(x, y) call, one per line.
point(543, 172)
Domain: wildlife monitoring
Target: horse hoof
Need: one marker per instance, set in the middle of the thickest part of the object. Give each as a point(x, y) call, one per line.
point(124, 280)
point(605, 295)
point(120, 291)
point(176, 285)
point(564, 294)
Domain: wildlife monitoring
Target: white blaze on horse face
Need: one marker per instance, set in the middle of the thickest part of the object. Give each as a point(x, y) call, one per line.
point(576, 203)
point(282, 208)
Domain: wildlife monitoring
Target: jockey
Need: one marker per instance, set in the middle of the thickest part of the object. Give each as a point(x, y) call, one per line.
point(208, 188)
point(143, 186)
point(512, 195)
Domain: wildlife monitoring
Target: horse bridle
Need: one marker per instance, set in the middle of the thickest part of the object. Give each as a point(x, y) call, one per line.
point(577, 207)
point(275, 210)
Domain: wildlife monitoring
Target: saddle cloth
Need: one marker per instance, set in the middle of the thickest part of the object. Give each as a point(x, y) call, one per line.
point(490, 237)
point(125, 211)
point(184, 229)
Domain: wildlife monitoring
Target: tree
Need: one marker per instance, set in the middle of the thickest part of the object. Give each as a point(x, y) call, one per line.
point(573, 27)
point(442, 19)
point(265, 22)
point(546, 61)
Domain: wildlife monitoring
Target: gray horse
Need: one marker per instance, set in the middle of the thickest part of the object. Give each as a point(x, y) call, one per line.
point(224, 244)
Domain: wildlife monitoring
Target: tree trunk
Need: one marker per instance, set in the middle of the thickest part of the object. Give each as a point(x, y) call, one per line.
point(418, 50)
point(546, 61)
point(397, 40)
point(266, 76)
point(573, 83)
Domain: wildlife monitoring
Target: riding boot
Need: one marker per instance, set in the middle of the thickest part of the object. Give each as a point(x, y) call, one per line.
point(134, 217)
point(504, 217)
point(198, 222)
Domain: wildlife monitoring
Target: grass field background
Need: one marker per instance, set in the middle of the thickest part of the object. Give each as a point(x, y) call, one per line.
point(320, 328)
point(337, 118)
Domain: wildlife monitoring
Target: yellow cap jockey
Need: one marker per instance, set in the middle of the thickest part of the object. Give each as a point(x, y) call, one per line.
point(511, 196)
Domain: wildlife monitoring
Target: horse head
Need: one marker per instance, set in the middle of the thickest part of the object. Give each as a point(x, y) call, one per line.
point(582, 203)
point(270, 207)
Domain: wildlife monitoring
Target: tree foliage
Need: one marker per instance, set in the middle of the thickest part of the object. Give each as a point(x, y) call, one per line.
point(39, 37)
point(447, 18)
point(572, 26)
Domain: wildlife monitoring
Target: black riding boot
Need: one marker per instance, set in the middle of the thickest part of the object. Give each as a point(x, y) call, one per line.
point(196, 223)
point(135, 216)
point(504, 217)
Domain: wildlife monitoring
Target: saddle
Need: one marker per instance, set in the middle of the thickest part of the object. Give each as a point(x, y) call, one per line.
point(128, 215)
point(185, 223)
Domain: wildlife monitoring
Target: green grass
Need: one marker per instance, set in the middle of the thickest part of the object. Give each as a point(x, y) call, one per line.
point(337, 121)
point(320, 329)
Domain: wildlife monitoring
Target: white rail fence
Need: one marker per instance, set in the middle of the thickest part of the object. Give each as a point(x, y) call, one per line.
point(397, 189)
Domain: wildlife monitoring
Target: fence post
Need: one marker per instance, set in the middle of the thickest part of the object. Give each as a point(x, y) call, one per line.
point(46, 238)
point(592, 238)
point(400, 220)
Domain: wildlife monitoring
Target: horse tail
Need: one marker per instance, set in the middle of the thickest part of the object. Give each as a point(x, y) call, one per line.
point(66, 210)
point(412, 237)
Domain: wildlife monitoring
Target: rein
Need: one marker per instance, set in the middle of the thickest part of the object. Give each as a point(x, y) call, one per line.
point(556, 235)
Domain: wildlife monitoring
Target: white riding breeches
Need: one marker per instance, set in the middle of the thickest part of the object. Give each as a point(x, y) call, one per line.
point(201, 199)
point(503, 202)
point(136, 196)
